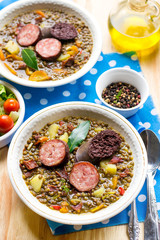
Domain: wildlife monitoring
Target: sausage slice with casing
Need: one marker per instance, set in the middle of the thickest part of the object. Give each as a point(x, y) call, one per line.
point(53, 152)
point(48, 48)
point(84, 176)
point(28, 35)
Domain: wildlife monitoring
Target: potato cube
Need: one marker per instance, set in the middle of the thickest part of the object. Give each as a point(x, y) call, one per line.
point(99, 192)
point(36, 182)
point(108, 168)
point(12, 47)
point(64, 137)
point(52, 130)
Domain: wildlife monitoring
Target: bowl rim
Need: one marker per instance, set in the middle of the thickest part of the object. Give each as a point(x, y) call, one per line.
point(22, 109)
point(122, 69)
point(97, 42)
point(101, 216)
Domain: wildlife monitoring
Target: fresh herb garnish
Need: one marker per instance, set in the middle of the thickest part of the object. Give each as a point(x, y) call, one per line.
point(66, 189)
point(119, 94)
point(78, 135)
point(29, 58)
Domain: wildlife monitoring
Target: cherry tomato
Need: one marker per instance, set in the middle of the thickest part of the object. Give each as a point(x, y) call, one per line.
point(11, 104)
point(6, 123)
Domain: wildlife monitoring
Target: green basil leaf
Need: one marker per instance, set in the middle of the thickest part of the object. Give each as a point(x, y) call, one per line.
point(78, 135)
point(29, 58)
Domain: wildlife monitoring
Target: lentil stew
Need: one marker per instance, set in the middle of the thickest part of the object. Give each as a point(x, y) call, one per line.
point(55, 184)
point(55, 58)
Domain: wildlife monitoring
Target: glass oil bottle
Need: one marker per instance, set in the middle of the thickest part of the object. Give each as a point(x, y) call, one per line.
point(135, 26)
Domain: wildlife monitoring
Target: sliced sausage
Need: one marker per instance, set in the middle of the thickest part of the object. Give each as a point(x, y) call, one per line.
point(53, 152)
point(64, 31)
point(48, 48)
point(28, 35)
point(104, 144)
point(84, 176)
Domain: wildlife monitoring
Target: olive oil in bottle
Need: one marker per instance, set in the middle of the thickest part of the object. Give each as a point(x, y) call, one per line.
point(135, 26)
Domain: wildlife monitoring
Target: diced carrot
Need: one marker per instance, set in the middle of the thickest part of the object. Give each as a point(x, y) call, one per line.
point(41, 140)
point(64, 204)
point(28, 71)
point(15, 57)
point(78, 43)
point(58, 70)
point(97, 208)
point(2, 57)
point(114, 182)
point(39, 12)
point(10, 69)
point(39, 76)
point(64, 209)
point(73, 50)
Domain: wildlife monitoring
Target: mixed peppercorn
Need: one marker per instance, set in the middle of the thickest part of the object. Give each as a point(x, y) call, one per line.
point(121, 95)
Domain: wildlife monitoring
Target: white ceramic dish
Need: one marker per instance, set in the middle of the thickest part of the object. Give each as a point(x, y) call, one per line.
point(58, 111)
point(6, 138)
point(19, 7)
point(123, 75)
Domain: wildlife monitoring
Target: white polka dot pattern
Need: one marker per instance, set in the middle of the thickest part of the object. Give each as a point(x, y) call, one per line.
point(93, 71)
point(82, 95)
point(66, 94)
point(112, 63)
point(77, 227)
point(43, 101)
point(141, 198)
point(27, 96)
point(87, 82)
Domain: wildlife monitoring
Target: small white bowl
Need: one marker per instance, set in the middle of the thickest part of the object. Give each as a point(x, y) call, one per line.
point(23, 6)
point(127, 76)
point(80, 109)
point(6, 138)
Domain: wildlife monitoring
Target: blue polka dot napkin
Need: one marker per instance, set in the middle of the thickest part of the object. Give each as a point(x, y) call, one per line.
point(83, 89)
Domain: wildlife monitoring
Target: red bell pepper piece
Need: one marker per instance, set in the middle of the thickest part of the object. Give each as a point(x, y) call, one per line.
point(56, 207)
point(121, 190)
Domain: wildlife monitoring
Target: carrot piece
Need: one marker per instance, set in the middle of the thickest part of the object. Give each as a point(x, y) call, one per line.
point(41, 140)
point(97, 208)
point(39, 12)
point(28, 71)
point(114, 181)
point(2, 57)
point(39, 76)
point(15, 57)
point(64, 209)
point(73, 50)
point(10, 69)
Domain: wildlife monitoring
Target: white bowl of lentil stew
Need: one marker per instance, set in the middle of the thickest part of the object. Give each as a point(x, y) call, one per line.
point(123, 90)
point(31, 56)
point(12, 110)
point(68, 190)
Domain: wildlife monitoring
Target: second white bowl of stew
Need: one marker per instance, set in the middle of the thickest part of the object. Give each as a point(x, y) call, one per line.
point(77, 163)
point(47, 43)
